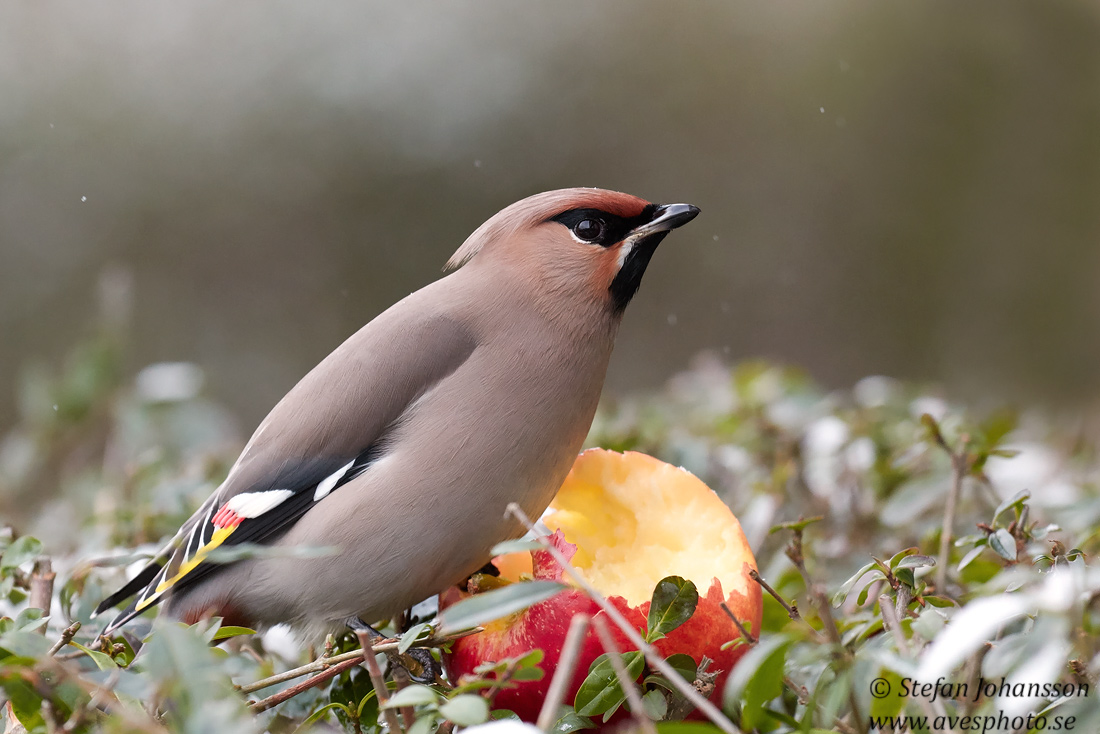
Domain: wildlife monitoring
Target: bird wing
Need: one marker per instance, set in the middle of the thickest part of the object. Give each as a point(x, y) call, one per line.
point(327, 430)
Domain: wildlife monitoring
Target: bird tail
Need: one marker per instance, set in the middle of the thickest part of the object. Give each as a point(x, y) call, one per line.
point(139, 583)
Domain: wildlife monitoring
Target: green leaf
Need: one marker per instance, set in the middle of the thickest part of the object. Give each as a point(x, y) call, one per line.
point(1017, 501)
point(686, 727)
point(22, 550)
point(683, 664)
point(466, 710)
point(655, 705)
point(757, 679)
point(492, 605)
point(977, 538)
point(413, 695)
point(369, 705)
point(915, 562)
point(846, 588)
point(412, 634)
point(892, 704)
point(25, 701)
point(966, 560)
point(527, 666)
point(571, 721)
point(933, 428)
point(674, 601)
point(515, 546)
point(528, 674)
point(30, 619)
point(600, 692)
point(900, 556)
point(797, 525)
point(1003, 544)
point(321, 713)
point(102, 660)
point(224, 633)
point(426, 723)
point(23, 644)
point(246, 551)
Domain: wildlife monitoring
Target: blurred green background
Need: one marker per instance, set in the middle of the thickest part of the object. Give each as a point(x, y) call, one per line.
point(902, 188)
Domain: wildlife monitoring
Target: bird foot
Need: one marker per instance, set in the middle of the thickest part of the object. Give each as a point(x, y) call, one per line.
point(417, 661)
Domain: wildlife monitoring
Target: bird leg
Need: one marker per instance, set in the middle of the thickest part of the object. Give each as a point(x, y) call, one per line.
point(418, 661)
point(488, 571)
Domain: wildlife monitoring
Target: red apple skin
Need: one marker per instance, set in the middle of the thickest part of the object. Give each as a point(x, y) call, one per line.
point(544, 626)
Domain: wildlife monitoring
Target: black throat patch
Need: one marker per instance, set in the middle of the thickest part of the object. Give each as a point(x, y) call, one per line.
point(629, 277)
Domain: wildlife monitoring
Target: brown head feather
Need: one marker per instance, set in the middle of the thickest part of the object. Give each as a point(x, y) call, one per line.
point(540, 207)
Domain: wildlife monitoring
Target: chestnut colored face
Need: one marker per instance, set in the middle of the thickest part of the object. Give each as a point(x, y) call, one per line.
point(590, 243)
point(628, 235)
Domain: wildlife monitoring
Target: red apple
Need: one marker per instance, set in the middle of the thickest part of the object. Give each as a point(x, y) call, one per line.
point(625, 521)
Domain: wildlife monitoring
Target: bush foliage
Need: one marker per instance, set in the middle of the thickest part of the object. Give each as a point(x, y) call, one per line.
point(843, 495)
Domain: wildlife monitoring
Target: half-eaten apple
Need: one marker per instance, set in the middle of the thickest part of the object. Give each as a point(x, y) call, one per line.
point(626, 521)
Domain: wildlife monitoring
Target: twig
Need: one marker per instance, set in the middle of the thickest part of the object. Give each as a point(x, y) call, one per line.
point(826, 613)
point(401, 680)
point(380, 691)
point(49, 716)
point(637, 710)
point(932, 709)
point(305, 685)
point(958, 471)
point(318, 665)
point(323, 662)
point(652, 656)
point(41, 596)
point(792, 609)
point(563, 674)
point(817, 596)
point(66, 637)
point(749, 639)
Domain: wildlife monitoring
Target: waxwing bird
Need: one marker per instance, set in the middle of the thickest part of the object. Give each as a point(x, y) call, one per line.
point(403, 447)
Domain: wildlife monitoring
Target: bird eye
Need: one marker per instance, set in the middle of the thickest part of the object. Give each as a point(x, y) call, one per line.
point(589, 230)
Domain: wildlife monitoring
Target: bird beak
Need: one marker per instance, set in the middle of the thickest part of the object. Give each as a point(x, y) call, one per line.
point(667, 217)
point(638, 246)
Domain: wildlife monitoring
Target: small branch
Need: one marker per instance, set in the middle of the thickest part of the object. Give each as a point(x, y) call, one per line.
point(563, 674)
point(49, 715)
point(305, 685)
point(380, 691)
point(652, 656)
point(316, 666)
point(792, 609)
point(625, 682)
point(749, 639)
point(322, 663)
point(861, 723)
point(401, 680)
point(66, 637)
point(825, 611)
point(41, 596)
point(958, 471)
point(890, 621)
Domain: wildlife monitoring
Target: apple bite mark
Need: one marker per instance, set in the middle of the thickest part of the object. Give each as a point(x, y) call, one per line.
point(625, 521)
point(636, 519)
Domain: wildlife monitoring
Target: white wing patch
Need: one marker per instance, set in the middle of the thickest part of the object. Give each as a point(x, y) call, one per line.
point(326, 485)
point(254, 504)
